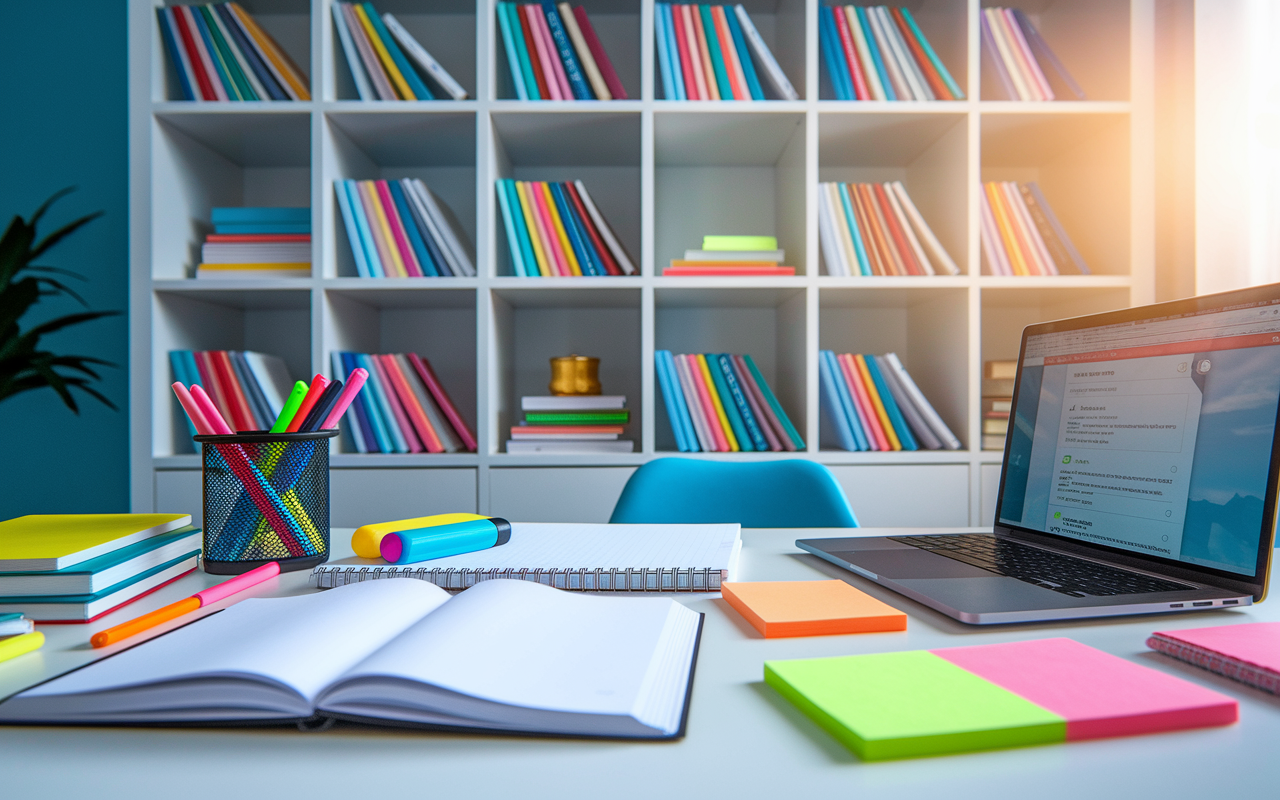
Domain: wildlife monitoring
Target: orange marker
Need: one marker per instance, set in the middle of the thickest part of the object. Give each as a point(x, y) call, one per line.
point(313, 394)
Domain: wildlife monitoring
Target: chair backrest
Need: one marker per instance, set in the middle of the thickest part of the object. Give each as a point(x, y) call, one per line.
point(768, 494)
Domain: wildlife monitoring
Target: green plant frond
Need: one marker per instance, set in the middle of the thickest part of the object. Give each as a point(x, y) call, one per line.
point(16, 300)
point(60, 234)
point(69, 273)
point(55, 197)
point(58, 384)
point(70, 319)
point(56, 288)
point(15, 247)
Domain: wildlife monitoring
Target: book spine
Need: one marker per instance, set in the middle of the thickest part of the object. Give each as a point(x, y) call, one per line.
point(413, 411)
point(513, 56)
point(877, 402)
point(860, 406)
point(433, 238)
point(568, 59)
point(355, 433)
point(601, 249)
point(513, 234)
point(874, 52)
point(663, 43)
point(429, 257)
point(681, 402)
point(363, 89)
point(368, 58)
point(399, 419)
point(850, 402)
point(382, 406)
point(439, 421)
point(993, 64)
point(1026, 59)
point(900, 238)
point(630, 579)
point(606, 232)
point(715, 426)
point(921, 62)
point(862, 53)
point(438, 393)
point(277, 60)
point(586, 264)
point(922, 403)
point(953, 88)
point(233, 80)
point(616, 90)
point(1005, 56)
point(1033, 189)
point(537, 48)
point(781, 84)
point(556, 71)
point(532, 227)
point(527, 63)
point(717, 83)
point(177, 56)
point(843, 43)
point(1019, 225)
point(362, 190)
point(912, 74)
point(382, 225)
point(858, 241)
point(744, 55)
point(758, 412)
point(585, 56)
point(679, 78)
point(1029, 230)
point(182, 21)
point(364, 238)
point(675, 415)
point(417, 89)
point(769, 398)
point(719, 29)
point(556, 227)
point(723, 405)
point(923, 230)
point(690, 63)
point(259, 412)
point(409, 229)
point(706, 441)
point(831, 54)
point(264, 83)
point(900, 426)
point(376, 426)
point(223, 88)
point(832, 406)
point(425, 60)
point(924, 434)
point(1005, 244)
point(831, 254)
point(1046, 54)
point(749, 421)
point(364, 412)
point(241, 414)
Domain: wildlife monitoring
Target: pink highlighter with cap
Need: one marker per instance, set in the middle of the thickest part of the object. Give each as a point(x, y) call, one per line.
point(438, 541)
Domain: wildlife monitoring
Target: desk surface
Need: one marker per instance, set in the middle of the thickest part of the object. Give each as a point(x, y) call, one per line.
point(743, 740)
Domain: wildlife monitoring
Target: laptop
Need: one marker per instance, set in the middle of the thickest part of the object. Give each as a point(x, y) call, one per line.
point(1139, 473)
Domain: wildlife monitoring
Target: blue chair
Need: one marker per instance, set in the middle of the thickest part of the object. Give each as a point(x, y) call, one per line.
point(764, 494)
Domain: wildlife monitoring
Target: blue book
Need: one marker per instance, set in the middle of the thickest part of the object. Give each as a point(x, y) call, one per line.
point(664, 54)
point(364, 411)
point(376, 268)
point(513, 237)
point(373, 412)
point(250, 53)
point(89, 606)
point(175, 55)
point(178, 364)
point(433, 246)
point(105, 571)
point(252, 391)
point(522, 230)
point(419, 89)
point(353, 232)
point(833, 53)
point(354, 431)
point(851, 219)
point(262, 227)
point(745, 444)
point(900, 426)
point(382, 406)
point(202, 28)
point(744, 55)
point(685, 419)
point(847, 404)
point(526, 65)
point(513, 57)
point(260, 215)
point(411, 229)
point(673, 54)
point(829, 400)
point(578, 235)
point(572, 69)
point(673, 411)
point(778, 410)
point(874, 51)
point(740, 400)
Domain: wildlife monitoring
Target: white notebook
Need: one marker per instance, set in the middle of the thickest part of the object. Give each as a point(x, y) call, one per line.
point(587, 557)
point(502, 656)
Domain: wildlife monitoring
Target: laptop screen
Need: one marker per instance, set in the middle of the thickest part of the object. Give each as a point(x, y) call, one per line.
point(1153, 435)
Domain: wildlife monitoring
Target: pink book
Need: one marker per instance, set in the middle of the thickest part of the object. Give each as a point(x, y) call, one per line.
point(428, 376)
point(749, 379)
point(1248, 652)
point(396, 224)
point(1098, 694)
point(546, 57)
point(706, 441)
point(866, 408)
point(597, 52)
point(540, 223)
point(544, 30)
point(365, 190)
point(757, 408)
point(708, 407)
point(695, 52)
point(413, 411)
point(393, 400)
point(549, 229)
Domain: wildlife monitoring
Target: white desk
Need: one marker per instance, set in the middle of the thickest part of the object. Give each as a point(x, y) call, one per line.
point(743, 740)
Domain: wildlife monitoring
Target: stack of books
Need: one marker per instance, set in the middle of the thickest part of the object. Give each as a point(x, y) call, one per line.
point(257, 243)
point(375, 49)
point(723, 256)
point(403, 408)
point(880, 53)
point(221, 53)
point(875, 229)
point(705, 53)
point(249, 389)
point(556, 230)
point(1017, 55)
point(997, 402)
point(572, 424)
point(873, 404)
point(401, 229)
point(1022, 236)
point(14, 624)
point(554, 54)
point(721, 403)
point(77, 567)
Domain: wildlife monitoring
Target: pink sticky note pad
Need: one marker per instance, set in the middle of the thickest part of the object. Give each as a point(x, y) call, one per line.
point(1258, 643)
point(1099, 695)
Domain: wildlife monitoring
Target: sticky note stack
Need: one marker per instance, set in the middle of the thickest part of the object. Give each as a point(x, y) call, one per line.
point(810, 608)
point(960, 699)
point(731, 256)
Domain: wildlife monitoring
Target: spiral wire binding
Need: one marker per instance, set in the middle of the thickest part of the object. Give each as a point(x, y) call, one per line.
point(631, 579)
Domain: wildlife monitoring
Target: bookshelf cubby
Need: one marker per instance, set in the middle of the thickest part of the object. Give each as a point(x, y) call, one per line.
point(664, 173)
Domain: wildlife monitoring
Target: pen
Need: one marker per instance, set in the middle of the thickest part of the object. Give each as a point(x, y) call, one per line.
point(320, 410)
point(318, 383)
point(354, 382)
point(174, 610)
point(287, 413)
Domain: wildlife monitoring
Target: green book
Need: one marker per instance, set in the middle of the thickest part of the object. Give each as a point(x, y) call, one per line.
point(730, 407)
point(578, 417)
point(717, 58)
point(778, 411)
point(739, 243)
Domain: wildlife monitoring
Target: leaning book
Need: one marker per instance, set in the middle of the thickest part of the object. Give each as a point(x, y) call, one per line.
point(504, 656)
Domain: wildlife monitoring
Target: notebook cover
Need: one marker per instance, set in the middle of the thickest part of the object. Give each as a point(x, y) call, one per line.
point(47, 542)
point(1248, 652)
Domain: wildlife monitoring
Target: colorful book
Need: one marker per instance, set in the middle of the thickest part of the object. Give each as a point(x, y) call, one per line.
point(1245, 652)
point(89, 607)
point(220, 53)
point(50, 542)
point(101, 573)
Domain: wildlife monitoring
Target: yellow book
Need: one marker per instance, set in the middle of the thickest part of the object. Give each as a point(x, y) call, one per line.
point(279, 58)
point(48, 542)
point(384, 227)
point(717, 405)
point(535, 235)
point(874, 394)
point(574, 267)
point(996, 201)
point(388, 63)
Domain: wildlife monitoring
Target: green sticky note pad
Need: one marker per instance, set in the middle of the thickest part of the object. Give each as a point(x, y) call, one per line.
point(900, 705)
point(739, 243)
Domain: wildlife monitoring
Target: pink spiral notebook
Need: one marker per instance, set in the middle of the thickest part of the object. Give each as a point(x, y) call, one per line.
point(1249, 653)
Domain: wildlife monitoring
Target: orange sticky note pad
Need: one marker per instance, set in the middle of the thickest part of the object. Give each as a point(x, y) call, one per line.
point(810, 608)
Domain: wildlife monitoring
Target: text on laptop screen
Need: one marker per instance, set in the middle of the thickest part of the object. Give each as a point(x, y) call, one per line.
point(1153, 436)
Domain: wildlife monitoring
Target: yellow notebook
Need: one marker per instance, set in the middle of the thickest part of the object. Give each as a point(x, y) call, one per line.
point(47, 542)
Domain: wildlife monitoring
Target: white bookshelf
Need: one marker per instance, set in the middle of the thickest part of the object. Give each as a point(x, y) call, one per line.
point(664, 173)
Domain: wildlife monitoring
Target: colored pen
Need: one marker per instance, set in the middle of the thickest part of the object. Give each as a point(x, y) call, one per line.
point(193, 410)
point(15, 646)
point(296, 397)
point(313, 396)
point(320, 410)
point(174, 610)
point(354, 382)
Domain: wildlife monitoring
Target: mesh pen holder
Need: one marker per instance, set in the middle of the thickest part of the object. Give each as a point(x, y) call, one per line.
point(266, 498)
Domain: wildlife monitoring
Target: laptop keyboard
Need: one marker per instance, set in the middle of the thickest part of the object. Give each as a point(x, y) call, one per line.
point(1076, 577)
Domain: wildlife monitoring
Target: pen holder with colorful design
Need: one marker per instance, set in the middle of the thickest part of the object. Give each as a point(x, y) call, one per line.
point(266, 498)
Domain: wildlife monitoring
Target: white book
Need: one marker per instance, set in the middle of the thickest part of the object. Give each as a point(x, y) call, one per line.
point(460, 259)
point(363, 89)
point(84, 608)
point(844, 234)
point(926, 409)
point(424, 219)
point(1021, 80)
point(528, 447)
point(902, 54)
point(827, 237)
point(901, 86)
point(16, 626)
point(104, 572)
point(771, 68)
point(776, 256)
point(232, 274)
point(404, 653)
point(273, 376)
point(602, 227)
point(916, 250)
point(588, 402)
point(869, 71)
point(425, 60)
point(264, 253)
point(931, 243)
point(1019, 41)
point(915, 420)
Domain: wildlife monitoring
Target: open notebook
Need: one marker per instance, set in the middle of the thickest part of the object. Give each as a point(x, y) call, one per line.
point(502, 656)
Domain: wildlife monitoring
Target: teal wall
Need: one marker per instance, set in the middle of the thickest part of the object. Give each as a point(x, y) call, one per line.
point(64, 95)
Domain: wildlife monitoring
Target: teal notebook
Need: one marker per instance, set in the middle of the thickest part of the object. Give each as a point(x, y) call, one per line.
point(102, 573)
point(88, 607)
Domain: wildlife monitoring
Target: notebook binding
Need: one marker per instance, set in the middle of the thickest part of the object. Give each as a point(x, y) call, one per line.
point(630, 579)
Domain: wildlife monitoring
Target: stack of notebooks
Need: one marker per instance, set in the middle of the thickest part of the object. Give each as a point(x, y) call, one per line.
point(997, 402)
point(14, 623)
point(880, 53)
point(554, 54)
point(721, 403)
point(725, 256)
point(375, 49)
point(221, 53)
point(1022, 236)
point(705, 53)
point(572, 424)
point(77, 567)
point(401, 229)
point(403, 408)
point(257, 243)
point(556, 230)
point(1024, 66)
point(873, 404)
point(875, 229)
point(248, 388)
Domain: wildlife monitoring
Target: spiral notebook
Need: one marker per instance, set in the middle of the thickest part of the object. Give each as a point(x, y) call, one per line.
point(581, 557)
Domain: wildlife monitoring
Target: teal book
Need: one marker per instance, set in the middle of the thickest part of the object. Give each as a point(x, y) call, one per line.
point(260, 215)
point(526, 64)
point(376, 268)
point(513, 58)
point(792, 433)
point(832, 404)
point(508, 222)
point(419, 89)
point(262, 227)
point(88, 607)
point(202, 30)
point(353, 232)
point(105, 571)
point(411, 230)
point(717, 58)
point(851, 219)
point(382, 405)
point(891, 406)
point(745, 443)
point(744, 54)
point(740, 400)
point(522, 231)
point(874, 50)
point(229, 61)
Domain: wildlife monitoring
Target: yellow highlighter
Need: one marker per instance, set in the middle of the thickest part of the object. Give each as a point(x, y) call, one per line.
point(367, 539)
point(15, 646)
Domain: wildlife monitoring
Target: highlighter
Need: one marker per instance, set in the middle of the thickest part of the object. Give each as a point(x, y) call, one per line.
point(438, 541)
point(367, 538)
